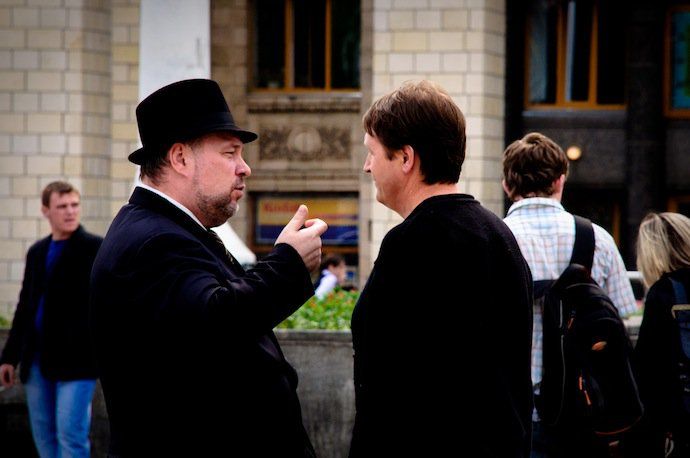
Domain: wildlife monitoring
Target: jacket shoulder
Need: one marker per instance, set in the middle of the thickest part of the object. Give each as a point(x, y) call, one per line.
point(38, 246)
point(87, 240)
point(662, 289)
point(94, 239)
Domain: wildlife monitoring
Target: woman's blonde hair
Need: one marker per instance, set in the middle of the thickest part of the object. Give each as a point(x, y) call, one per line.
point(663, 245)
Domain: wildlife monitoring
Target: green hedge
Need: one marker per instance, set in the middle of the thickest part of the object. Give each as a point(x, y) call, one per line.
point(332, 312)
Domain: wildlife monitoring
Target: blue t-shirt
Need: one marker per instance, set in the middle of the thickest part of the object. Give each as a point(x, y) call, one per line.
point(54, 251)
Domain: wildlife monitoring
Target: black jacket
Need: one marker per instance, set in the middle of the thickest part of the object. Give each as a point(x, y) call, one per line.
point(442, 338)
point(65, 352)
point(189, 363)
point(657, 353)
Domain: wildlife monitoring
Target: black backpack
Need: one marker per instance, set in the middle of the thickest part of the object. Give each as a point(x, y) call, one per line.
point(587, 378)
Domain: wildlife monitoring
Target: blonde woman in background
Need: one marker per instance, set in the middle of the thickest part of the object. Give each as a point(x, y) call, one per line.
point(663, 256)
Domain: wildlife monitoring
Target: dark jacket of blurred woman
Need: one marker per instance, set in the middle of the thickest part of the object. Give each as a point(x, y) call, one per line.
point(663, 253)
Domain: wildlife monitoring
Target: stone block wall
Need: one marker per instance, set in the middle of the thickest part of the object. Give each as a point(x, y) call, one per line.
point(69, 85)
point(459, 44)
point(54, 119)
point(125, 97)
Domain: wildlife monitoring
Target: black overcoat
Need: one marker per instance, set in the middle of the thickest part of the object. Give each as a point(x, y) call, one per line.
point(189, 363)
point(65, 351)
point(442, 337)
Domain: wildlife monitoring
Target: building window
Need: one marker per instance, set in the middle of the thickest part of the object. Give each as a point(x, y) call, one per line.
point(567, 64)
point(306, 45)
point(677, 63)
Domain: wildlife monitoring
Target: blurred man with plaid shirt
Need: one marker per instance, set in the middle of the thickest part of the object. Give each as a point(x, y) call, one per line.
point(534, 173)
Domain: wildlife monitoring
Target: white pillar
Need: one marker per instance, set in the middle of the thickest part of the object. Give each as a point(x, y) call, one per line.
point(175, 44)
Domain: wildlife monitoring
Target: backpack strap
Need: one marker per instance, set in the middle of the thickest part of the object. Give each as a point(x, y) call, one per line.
point(679, 292)
point(583, 249)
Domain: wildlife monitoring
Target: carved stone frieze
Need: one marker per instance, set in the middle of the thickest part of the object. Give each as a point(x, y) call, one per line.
point(304, 143)
point(320, 103)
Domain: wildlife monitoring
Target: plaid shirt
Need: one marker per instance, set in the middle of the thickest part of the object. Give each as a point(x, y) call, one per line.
point(546, 235)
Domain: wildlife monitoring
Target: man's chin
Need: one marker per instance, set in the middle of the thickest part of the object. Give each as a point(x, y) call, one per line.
point(220, 218)
point(231, 210)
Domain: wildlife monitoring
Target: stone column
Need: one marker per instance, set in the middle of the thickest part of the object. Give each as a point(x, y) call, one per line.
point(229, 67)
point(645, 130)
point(125, 96)
point(175, 42)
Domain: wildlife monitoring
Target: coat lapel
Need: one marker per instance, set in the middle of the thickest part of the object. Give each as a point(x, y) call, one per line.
point(158, 204)
point(39, 267)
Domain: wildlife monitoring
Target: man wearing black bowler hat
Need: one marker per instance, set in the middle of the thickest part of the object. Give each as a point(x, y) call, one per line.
point(189, 363)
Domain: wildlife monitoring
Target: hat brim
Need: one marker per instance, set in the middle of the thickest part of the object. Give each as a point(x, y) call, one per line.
point(245, 136)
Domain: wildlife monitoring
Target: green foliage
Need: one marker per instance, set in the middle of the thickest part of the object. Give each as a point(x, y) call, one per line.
point(332, 312)
point(4, 322)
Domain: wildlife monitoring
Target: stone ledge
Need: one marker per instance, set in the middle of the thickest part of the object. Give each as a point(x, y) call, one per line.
point(317, 336)
point(570, 118)
point(274, 102)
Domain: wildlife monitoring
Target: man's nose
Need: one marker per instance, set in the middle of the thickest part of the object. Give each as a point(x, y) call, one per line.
point(243, 168)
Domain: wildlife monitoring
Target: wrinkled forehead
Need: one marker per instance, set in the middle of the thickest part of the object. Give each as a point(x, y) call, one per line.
point(216, 142)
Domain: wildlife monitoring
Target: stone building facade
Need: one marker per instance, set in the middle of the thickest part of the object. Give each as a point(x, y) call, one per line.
point(73, 71)
point(617, 74)
point(58, 95)
point(70, 81)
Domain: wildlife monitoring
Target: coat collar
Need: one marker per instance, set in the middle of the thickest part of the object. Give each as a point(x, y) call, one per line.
point(156, 203)
point(534, 202)
point(172, 201)
point(77, 235)
point(72, 245)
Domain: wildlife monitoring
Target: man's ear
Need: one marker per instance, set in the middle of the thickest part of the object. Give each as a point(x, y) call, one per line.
point(408, 158)
point(505, 188)
point(44, 210)
point(179, 156)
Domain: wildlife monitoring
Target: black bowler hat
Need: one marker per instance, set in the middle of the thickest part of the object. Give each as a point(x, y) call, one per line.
point(183, 111)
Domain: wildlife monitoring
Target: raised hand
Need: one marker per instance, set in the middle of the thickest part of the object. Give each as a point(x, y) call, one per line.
point(304, 235)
